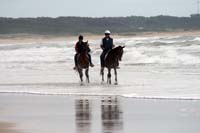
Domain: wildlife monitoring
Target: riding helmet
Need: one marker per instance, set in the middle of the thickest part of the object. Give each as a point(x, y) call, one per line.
point(107, 32)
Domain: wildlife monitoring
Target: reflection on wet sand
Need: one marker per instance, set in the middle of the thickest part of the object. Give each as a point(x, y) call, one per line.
point(83, 115)
point(107, 113)
point(111, 115)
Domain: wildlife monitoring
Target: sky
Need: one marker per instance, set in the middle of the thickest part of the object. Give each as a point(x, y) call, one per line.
point(96, 8)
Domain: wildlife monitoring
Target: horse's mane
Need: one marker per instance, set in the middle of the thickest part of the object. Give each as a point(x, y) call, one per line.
point(116, 50)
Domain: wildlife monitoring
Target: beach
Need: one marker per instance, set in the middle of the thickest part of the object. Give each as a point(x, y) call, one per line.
point(97, 114)
point(29, 38)
point(158, 86)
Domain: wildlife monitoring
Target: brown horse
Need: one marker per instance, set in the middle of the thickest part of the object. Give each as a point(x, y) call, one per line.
point(83, 63)
point(112, 61)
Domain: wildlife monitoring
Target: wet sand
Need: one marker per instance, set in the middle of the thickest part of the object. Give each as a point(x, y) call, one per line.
point(97, 114)
point(7, 128)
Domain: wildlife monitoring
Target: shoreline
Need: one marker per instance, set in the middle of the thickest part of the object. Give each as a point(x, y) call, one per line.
point(27, 38)
point(103, 95)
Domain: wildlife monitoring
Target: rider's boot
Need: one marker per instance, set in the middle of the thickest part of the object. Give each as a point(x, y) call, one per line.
point(91, 64)
point(75, 67)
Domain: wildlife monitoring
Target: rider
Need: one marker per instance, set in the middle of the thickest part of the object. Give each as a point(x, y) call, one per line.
point(106, 46)
point(79, 48)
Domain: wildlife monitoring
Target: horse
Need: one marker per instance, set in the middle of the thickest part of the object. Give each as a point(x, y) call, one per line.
point(83, 63)
point(111, 60)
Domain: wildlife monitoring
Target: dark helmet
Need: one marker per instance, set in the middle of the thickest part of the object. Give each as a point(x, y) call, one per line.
point(80, 37)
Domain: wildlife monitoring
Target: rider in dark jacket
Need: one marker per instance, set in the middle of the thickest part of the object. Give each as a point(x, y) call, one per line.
point(106, 46)
point(79, 48)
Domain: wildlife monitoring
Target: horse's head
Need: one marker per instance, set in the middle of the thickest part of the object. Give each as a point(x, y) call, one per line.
point(85, 47)
point(120, 52)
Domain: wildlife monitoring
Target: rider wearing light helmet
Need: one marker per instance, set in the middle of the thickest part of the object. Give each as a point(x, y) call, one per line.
point(106, 46)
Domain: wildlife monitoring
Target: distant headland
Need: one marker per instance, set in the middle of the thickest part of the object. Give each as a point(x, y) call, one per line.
point(78, 25)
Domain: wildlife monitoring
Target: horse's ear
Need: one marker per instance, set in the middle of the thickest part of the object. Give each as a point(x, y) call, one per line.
point(87, 43)
point(123, 46)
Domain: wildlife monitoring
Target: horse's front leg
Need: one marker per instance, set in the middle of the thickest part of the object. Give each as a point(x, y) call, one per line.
point(80, 74)
point(115, 76)
point(109, 76)
point(87, 74)
point(102, 73)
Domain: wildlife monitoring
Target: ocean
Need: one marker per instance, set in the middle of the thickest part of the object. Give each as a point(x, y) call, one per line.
point(166, 67)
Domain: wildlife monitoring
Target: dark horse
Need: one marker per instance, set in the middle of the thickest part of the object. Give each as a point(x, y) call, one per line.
point(112, 61)
point(83, 63)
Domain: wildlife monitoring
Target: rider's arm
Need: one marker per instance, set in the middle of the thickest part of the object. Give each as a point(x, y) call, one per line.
point(102, 47)
point(76, 48)
point(113, 45)
point(88, 48)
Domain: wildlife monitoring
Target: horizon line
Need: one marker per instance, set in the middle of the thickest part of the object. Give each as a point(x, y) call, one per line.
point(97, 17)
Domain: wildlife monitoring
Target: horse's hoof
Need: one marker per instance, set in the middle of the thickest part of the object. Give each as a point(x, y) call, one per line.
point(116, 84)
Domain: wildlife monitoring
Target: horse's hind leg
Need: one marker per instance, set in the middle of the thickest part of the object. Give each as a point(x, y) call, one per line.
point(109, 76)
point(87, 75)
point(115, 76)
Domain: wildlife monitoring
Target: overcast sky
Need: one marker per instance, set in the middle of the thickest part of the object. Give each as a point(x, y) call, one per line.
point(96, 8)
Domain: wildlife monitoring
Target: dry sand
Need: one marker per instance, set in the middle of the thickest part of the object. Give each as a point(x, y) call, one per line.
point(29, 38)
